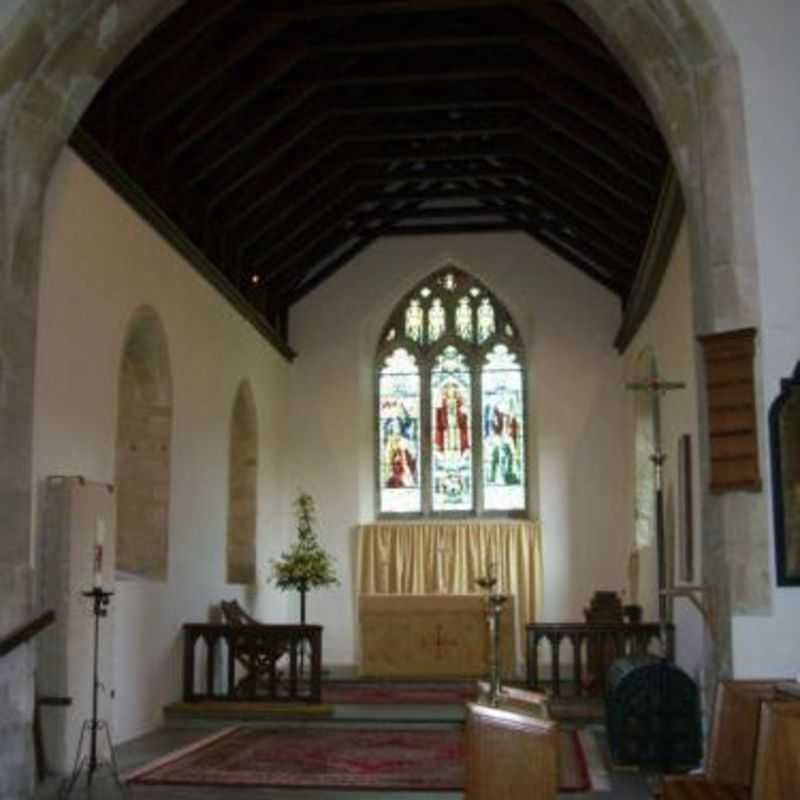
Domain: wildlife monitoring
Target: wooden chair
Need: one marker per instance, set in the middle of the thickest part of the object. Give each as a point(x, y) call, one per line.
point(257, 656)
point(604, 607)
point(235, 615)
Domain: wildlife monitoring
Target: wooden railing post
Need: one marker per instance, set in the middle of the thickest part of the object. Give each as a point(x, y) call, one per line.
point(188, 663)
point(263, 652)
point(605, 640)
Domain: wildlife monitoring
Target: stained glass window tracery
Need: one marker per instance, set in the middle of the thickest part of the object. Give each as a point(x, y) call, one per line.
point(414, 317)
point(486, 324)
point(437, 321)
point(464, 319)
point(451, 431)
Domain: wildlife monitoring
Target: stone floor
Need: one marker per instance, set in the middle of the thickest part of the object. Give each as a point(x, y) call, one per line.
point(180, 731)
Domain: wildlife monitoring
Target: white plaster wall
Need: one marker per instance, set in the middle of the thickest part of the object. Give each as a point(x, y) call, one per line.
point(765, 36)
point(669, 331)
point(577, 469)
point(100, 263)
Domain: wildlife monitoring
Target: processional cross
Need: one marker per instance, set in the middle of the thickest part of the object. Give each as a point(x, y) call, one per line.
point(657, 389)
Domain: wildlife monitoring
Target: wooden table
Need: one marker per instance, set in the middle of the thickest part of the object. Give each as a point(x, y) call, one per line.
point(430, 635)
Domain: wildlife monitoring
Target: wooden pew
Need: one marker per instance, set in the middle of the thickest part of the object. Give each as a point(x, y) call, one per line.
point(736, 743)
point(777, 771)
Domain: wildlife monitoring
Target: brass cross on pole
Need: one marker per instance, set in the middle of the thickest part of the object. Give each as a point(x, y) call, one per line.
point(657, 390)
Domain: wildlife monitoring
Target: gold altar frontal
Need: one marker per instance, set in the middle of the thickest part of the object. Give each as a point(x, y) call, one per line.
point(431, 636)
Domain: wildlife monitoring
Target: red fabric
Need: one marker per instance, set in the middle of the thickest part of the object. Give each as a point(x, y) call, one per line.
point(310, 757)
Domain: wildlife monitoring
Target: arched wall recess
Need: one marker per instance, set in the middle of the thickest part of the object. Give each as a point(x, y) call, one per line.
point(144, 428)
point(242, 489)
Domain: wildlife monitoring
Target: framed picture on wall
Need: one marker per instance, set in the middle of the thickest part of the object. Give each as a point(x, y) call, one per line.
point(784, 435)
point(685, 511)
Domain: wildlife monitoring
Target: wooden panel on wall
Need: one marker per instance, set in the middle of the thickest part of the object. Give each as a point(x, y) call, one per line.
point(731, 410)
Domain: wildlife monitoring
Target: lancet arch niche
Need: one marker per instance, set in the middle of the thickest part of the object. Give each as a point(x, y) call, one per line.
point(242, 489)
point(54, 60)
point(144, 429)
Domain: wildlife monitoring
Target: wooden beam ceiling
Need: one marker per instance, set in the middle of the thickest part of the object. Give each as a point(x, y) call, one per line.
point(282, 138)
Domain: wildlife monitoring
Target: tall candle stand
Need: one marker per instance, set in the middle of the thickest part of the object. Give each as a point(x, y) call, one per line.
point(90, 762)
point(494, 608)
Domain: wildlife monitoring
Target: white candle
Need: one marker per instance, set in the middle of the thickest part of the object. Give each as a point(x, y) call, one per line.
point(98, 552)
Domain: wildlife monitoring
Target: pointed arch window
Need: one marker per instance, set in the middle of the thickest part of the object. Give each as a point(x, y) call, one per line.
point(646, 369)
point(451, 432)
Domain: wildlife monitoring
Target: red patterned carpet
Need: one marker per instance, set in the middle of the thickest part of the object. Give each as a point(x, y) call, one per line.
point(334, 758)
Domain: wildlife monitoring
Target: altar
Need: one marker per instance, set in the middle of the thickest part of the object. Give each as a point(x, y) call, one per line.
point(420, 610)
point(437, 636)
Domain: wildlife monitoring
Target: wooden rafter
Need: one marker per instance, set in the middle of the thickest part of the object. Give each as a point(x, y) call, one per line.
point(282, 138)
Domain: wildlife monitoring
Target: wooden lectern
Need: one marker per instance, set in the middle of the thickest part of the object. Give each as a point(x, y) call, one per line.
point(512, 750)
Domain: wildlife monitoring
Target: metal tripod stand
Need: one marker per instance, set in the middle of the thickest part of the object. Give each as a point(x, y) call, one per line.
point(89, 762)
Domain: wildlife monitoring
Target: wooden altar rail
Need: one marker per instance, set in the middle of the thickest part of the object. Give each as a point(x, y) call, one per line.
point(594, 647)
point(257, 662)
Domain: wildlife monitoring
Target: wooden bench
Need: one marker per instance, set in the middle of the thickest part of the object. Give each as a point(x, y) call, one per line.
point(777, 771)
point(748, 715)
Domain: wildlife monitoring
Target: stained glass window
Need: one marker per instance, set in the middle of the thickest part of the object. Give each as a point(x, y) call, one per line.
point(451, 351)
point(451, 472)
point(503, 434)
point(486, 325)
point(464, 319)
point(414, 321)
point(399, 396)
point(448, 281)
point(437, 321)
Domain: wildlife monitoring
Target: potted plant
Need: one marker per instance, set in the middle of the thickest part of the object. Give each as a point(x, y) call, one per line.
point(306, 565)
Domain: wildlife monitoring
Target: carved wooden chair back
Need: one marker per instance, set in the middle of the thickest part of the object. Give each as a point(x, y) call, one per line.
point(260, 662)
point(235, 615)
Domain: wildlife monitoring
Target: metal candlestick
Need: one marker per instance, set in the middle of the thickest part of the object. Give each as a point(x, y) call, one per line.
point(494, 608)
point(90, 762)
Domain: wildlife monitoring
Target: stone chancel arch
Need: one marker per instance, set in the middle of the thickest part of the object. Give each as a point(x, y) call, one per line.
point(144, 427)
point(242, 489)
point(53, 58)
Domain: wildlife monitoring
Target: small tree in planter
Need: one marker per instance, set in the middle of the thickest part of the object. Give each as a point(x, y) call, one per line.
point(306, 565)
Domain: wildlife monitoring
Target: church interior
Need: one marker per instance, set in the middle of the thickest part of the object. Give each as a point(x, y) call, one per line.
point(388, 347)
